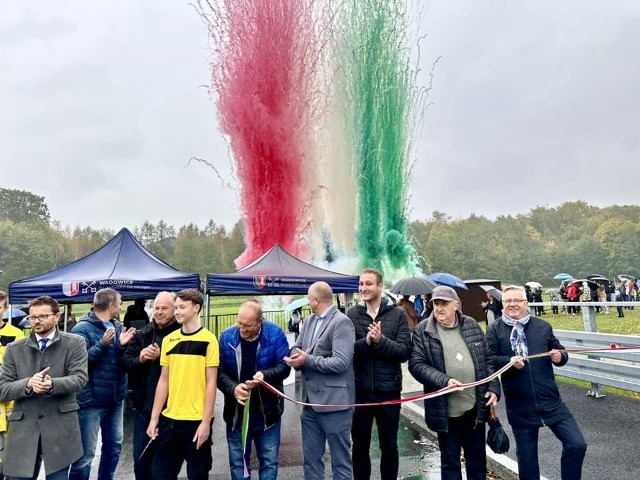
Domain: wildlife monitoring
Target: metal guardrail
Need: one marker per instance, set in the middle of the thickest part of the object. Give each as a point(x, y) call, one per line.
point(619, 370)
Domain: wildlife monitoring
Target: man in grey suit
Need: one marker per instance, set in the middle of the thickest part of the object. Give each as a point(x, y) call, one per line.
point(324, 355)
point(42, 374)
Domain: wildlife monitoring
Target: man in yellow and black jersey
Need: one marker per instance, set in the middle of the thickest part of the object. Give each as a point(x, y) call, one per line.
point(188, 381)
point(8, 334)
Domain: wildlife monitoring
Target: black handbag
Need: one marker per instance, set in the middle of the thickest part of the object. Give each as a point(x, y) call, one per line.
point(497, 438)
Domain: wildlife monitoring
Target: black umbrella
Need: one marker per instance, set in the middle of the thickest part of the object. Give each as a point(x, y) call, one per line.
point(497, 294)
point(413, 286)
point(497, 438)
point(598, 278)
point(591, 283)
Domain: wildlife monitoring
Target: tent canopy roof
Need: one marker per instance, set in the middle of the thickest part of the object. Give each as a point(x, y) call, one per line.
point(278, 272)
point(122, 264)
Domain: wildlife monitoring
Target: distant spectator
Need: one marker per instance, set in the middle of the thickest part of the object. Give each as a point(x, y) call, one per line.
point(428, 306)
point(602, 297)
point(631, 293)
point(71, 320)
point(529, 293)
point(563, 296)
point(619, 298)
point(554, 304)
point(418, 304)
point(412, 314)
point(295, 322)
point(492, 307)
point(537, 297)
point(136, 313)
point(573, 295)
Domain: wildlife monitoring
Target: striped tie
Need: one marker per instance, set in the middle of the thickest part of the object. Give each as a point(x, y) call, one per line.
point(43, 344)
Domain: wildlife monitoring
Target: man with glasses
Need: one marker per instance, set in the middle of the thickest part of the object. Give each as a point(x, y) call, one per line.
point(102, 399)
point(41, 374)
point(142, 361)
point(531, 393)
point(324, 355)
point(253, 350)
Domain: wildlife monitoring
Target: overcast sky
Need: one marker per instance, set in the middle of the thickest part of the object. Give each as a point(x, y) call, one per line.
point(102, 106)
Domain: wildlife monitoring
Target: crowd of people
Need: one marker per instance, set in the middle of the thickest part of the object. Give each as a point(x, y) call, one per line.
point(61, 390)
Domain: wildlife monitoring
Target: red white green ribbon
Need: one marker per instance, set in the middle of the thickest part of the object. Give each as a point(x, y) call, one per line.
point(443, 391)
point(245, 434)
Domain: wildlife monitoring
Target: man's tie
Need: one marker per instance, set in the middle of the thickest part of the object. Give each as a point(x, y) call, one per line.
point(43, 344)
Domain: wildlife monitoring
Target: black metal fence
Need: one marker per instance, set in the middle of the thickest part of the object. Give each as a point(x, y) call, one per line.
point(218, 323)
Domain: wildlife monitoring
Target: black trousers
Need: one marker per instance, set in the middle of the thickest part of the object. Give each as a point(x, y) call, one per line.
point(573, 450)
point(387, 420)
point(174, 445)
point(463, 433)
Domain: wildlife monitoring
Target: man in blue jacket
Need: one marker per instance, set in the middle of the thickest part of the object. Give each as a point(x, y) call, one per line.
point(253, 349)
point(102, 399)
point(530, 389)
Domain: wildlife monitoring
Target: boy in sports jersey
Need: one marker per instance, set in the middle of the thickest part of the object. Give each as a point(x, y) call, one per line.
point(189, 360)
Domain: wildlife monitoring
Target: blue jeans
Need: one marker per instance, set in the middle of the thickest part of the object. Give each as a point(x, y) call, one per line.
point(109, 421)
point(267, 448)
point(573, 450)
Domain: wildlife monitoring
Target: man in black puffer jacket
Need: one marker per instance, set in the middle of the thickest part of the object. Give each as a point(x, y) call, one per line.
point(382, 343)
point(449, 349)
point(142, 360)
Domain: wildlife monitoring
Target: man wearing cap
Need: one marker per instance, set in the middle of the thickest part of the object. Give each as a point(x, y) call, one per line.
point(449, 349)
point(530, 389)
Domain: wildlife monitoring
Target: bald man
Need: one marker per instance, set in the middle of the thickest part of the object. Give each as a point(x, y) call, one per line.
point(252, 350)
point(142, 361)
point(324, 355)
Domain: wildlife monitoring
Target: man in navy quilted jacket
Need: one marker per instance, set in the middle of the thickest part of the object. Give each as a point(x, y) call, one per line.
point(102, 399)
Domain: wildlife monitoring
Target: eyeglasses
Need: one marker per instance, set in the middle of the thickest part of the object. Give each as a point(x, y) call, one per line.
point(514, 301)
point(43, 316)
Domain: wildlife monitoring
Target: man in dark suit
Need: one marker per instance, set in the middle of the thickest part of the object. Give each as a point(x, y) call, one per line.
point(324, 355)
point(42, 374)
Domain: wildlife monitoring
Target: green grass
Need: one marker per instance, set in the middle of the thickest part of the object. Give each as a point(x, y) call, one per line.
point(629, 325)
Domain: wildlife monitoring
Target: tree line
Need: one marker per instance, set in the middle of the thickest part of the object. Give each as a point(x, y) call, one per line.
point(575, 238)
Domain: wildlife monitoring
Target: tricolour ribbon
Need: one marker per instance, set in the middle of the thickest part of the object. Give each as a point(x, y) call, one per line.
point(414, 398)
point(245, 434)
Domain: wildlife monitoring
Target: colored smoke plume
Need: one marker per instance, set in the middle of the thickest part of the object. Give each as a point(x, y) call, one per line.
point(263, 73)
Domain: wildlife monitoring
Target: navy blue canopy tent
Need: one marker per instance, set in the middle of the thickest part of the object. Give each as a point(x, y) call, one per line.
point(122, 264)
point(278, 272)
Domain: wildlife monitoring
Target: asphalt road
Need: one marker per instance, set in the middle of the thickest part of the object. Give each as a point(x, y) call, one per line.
point(611, 427)
point(419, 456)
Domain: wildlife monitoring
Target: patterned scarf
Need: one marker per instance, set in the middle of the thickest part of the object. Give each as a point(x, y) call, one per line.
point(518, 338)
